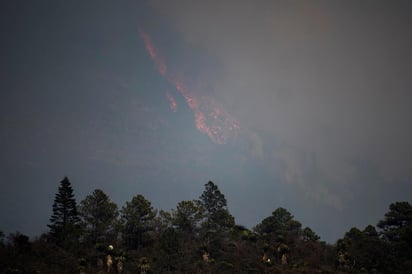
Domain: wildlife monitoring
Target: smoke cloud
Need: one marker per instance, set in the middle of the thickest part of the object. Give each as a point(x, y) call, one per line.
point(325, 86)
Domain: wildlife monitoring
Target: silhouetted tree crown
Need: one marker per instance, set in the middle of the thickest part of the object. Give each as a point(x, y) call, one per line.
point(309, 235)
point(215, 210)
point(198, 236)
point(396, 230)
point(99, 217)
point(281, 223)
point(64, 222)
point(186, 216)
point(397, 224)
point(137, 218)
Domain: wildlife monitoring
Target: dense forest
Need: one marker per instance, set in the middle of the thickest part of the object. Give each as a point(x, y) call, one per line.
point(198, 236)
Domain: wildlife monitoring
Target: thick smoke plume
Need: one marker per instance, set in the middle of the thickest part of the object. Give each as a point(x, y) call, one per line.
point(327, 86)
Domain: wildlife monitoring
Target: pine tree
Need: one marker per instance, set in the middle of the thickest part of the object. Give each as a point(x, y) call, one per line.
point(215, 209)
point(396, 230)
point(99, 216)
point(64, 222)
point(137, 218)
point(217, 222)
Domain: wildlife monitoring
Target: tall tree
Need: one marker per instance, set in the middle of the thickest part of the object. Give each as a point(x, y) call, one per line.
point(187, 216)
point(364, 251)
point(215, 208)
point(309, 235)
point(279, 224)
point(137, 218)
point(396, 229)
point(64, 222)
point(99, 216)
point(216, 223)
point(397, 224)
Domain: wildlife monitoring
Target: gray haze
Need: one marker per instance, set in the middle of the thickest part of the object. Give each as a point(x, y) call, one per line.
point(328, 83)
point(322, 91)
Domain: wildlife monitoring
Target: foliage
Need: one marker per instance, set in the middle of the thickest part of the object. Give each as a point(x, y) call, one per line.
point(187, 216)
point(64, 222)
point(397, 224)
point(396, 230)
point(214, 204)
point(99, 216)
point(280, 224)
point(309, 235)
point(199, 236)
point(137, 218)
point(363, 250)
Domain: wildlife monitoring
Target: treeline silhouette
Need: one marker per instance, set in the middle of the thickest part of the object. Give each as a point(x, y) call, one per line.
point(198, 236)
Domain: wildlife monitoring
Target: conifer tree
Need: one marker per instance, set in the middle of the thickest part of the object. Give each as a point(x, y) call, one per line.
point(137, 218)
point(99, 217)
point(64, 222)
point(215, 209)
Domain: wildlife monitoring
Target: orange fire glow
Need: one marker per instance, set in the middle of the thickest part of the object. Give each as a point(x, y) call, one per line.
point(172, 102)
point(161, 66)
point(210, 117)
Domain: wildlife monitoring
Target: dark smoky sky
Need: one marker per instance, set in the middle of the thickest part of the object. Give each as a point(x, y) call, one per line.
point(321, 90)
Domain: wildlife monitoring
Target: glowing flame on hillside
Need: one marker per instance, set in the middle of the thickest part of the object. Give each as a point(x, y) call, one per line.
point(161, 66)
point(210, 117)
point(172, 102)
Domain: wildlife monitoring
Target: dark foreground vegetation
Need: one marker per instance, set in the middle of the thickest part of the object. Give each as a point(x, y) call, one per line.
point(198, 236)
